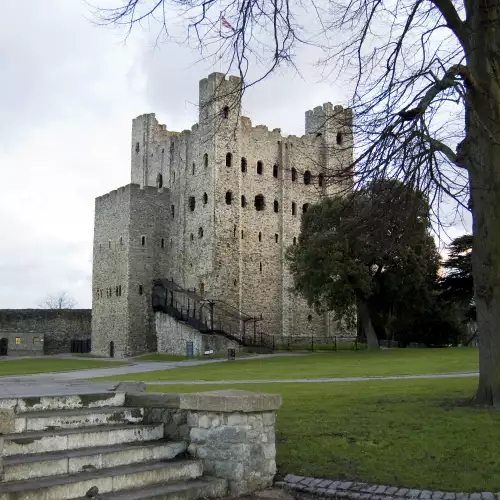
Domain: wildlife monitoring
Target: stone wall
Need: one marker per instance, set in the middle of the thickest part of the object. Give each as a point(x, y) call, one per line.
point(56, 327)
point(21, 344)
point(173, 335)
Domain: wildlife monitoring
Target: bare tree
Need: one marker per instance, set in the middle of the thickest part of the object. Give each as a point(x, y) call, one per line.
point(60, 300)
point(426, 100)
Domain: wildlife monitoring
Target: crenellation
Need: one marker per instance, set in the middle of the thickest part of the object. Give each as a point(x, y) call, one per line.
point(194, 214)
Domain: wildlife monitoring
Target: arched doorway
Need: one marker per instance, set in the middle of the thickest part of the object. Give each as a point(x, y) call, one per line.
point(111, 349)
point(4, 346)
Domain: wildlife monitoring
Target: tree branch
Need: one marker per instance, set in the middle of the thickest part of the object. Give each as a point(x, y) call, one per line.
point(453, 21)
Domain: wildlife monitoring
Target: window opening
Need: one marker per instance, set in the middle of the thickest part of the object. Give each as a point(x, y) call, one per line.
point(194, 167)
point(192, 203)
point(191, 236)
point(294, 175)
point(35, 340)
point(172, 208)
point(109, 244)
point(307, 177)
point(159, 181)
point(200, 232)
point(205, 160)
point(305, 207)
point(276, 238)
point(229, 159)
point(18, 340)
point(260, 267)
point(242, 234)
point(143, 240)
point(260, 236)
point(294, 240)
point(259, 202)
point(309, 318)
point(260, 167)
point(162, 243)
point(321, 178)
point(137, 147)
point(225, 112)
point(340, 138)
point(243, 164)
point(294, 208)
point(229, 197)
point(275, 171)
point(205, 198)
point(276, 206)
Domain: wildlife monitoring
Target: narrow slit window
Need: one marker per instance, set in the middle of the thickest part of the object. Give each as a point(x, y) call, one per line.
point(243, 201)
point(234, 231)
point(192, 203)
point(275, 171)
point(162, 243)
point(141, 290)
point(229, 159)
point(225, 112)
point(205, 198)
point(260, 236)
point(229, 197)
point(276, 206)
point(159, 181)
point(200, 232)
point(294, 240)
point(243, 164)
point(260, 168)
point(294, 208)
point(340, 138)
point(205, 160)
point(137, 147)
point(321, 179)
point(242, 234)
point(143, 241)
point(294, 175)
point(172, 209)
point(276, 238)
point(121, 241)
point(305, 207)
point(260, 267)
point(194, 167)
point(307, 177)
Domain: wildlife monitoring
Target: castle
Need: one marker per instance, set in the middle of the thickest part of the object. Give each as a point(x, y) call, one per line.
point(213, 208)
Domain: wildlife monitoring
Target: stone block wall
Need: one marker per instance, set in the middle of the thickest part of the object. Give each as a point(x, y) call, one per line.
point(56, 327)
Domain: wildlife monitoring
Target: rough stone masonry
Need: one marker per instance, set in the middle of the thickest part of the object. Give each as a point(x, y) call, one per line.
point(213, 208)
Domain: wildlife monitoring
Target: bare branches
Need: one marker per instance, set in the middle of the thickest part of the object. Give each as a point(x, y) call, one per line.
point(453, 21)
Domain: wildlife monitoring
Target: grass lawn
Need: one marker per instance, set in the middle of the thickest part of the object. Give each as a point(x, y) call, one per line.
point(403, 433)
point(174, 357)
point(44, 365)
point(324, 365)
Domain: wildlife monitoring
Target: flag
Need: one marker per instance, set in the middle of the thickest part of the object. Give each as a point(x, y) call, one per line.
point(226, 24)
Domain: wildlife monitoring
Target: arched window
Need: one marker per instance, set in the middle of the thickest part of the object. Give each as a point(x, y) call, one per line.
point(340, 138)
point(192, 203)
point(159, 181)
point(305, 206)
point(260, 167)
point(294, 208)
point(243, 164)
point(259, 203)
point(307, 177)
point(275, 171)
point(260, 236)
point(229, 197)
point(276, 206)
point(243, 201)
point(229, 159)
point(225, 112)
point(205, 198)
point(294, 175)
point(200, 232)
point(321, 179)
point(205, 160)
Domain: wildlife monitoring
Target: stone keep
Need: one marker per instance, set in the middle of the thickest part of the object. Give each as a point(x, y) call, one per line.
point(214, 208)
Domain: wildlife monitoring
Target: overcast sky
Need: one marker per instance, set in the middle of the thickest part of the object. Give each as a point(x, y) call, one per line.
point(68, 93)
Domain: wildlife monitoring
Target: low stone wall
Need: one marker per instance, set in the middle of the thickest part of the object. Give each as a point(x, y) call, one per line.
point(232, 432)
point(57, 327)
point(172, 337)
point(21, 344)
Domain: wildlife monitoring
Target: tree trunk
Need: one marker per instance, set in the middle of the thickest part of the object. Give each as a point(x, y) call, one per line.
point(480, 154)
point(367, 326)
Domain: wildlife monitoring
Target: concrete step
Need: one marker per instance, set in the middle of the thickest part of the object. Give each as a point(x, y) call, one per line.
point(83, 437)
point(204, 487)
point(80, 417)
point(49, 403)
point(73, 486)
point(19, 467)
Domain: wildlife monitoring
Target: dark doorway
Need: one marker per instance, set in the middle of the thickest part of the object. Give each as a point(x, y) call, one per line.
point(4, 346)
point(111, 349)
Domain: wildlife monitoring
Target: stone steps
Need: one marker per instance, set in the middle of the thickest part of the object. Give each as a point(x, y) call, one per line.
point(80, 417)
point(18, 467)
point(115, 479)
point(205, 487)
point(82, 437)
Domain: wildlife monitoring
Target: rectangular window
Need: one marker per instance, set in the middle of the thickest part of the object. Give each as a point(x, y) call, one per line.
point(18, 340)
point(35, 340)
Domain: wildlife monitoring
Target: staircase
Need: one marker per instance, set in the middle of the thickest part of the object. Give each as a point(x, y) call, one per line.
point(209, 316)
point(92, 446)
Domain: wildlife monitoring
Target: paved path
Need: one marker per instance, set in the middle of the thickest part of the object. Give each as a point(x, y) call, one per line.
point(313, 380)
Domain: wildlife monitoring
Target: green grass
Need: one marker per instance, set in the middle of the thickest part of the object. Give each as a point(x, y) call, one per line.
point(403, 433)
point(45, 365)
point(324, 365)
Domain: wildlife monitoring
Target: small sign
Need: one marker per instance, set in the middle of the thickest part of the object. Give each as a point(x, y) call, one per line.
point(189, 350)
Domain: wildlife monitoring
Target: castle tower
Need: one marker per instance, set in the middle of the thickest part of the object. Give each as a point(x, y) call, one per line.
point(214, 208)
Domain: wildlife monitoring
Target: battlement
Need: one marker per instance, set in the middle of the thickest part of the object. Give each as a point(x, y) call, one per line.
point(126, 192)
point(327, 116)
